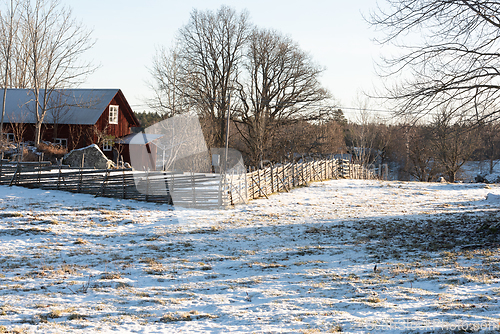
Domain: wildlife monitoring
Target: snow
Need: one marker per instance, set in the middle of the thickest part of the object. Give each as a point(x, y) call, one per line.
point(492, 178)
point(354, 256)
point(493, 198)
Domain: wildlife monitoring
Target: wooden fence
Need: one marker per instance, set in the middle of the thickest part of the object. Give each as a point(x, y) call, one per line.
point(183, 189)
point(263, 182)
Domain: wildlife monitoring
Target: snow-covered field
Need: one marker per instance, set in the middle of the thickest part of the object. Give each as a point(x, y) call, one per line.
point(347, 255)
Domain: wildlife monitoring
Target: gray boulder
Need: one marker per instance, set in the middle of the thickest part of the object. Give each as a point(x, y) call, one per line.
point(92, 158)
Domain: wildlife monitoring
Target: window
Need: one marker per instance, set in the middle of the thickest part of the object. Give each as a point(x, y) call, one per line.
point(107, 145)
point(63, 142)
point(113, 114)
point(10, 137)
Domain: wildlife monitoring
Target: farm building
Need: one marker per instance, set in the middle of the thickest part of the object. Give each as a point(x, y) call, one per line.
point(75, 118)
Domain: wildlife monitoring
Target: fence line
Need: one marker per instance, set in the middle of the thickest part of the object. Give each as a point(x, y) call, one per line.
point(263, 182)
point(188, 189)
point(183, 189)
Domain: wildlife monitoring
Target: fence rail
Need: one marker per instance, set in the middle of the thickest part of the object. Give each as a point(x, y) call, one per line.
point(183, 189)
point(187, 189)
point(263, 182)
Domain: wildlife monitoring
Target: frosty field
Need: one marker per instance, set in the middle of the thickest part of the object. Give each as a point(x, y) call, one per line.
point(348, 256)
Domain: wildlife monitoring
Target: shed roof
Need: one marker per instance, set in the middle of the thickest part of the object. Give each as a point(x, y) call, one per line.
point(64, 106)
point(139, 138)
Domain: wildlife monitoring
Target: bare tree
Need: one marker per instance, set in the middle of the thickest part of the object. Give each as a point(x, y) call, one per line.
point(489, 135)
point(167, 84)
point(18, 128)
point(8, 30)
point(180, 140)
point(18, 74)
point(77, 132)
point(58, 108)
point(453, 142)
point(363, 136)
point(422, 164)
point(210, 49)
point(99, 137)
point(228, 73)
point(282, 88)
point(449, 53)
point(53, 43)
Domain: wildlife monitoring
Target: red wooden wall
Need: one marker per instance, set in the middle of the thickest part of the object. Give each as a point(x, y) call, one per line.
point(79, 135)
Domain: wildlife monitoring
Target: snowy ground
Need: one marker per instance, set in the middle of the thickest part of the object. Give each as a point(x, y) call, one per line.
point(348, 255)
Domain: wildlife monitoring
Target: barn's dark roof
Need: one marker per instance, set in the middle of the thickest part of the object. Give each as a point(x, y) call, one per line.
point(66, 106)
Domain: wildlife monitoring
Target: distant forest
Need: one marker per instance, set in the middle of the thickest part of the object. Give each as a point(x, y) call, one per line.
point(421, 152)
point(148, 118)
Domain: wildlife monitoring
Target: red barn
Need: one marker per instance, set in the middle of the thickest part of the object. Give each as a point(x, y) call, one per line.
point(75, 118)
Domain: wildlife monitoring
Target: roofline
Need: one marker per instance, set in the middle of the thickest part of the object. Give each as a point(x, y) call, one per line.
point(134, 118)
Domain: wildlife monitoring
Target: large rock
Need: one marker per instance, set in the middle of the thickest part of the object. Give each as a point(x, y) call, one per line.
point(92, 156)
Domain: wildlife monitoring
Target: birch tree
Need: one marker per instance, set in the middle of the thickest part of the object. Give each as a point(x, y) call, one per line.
point(9, 21)
point(167, 84)
point(53, 43)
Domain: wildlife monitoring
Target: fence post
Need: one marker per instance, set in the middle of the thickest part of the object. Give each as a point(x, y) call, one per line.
point(219, 197)
point(59, 175)
point(102, 190)
point(15, 176)
point(171, 185)
point(302, 172)
point(306, 171)
point(266, 179)
point(193, 188)
point(249, 185)
point(123, 180)
point(246, 189)
point(310, 171)
point(262, 179)
point(258, 180)
point(1, 165)
point(147, 184)
point(272, 180)
point(284, 177)
point(81, 171)
point(40, 159)
point(254, 185)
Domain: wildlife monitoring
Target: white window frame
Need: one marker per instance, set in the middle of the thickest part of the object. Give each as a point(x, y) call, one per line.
point(61, 141)
point(107, 146)
point(113, 114)
point(10, 137)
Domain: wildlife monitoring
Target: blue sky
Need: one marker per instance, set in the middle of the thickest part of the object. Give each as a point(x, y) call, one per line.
point(128, 33)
